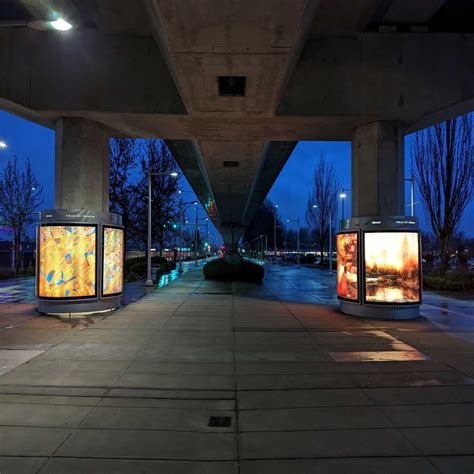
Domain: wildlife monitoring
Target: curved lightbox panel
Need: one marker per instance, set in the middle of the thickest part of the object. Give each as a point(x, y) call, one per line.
point(67, 261)
point(392, 270)
point(113, 249)
point(348, 266)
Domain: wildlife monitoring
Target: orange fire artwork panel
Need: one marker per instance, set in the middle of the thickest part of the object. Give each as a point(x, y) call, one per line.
point(347, 277)
point(392, 263)
point(67, 261)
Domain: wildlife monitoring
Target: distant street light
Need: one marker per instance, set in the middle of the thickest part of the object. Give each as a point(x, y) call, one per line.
point(3, 144)
point(149, 281)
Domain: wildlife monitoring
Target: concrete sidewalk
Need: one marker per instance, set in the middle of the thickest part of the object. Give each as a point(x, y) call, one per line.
point(206, 377)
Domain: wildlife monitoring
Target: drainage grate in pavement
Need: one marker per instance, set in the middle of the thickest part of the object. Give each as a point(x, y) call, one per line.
point(220, 421)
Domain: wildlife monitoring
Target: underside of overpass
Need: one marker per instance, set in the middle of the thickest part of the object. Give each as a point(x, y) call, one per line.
point(232, 86)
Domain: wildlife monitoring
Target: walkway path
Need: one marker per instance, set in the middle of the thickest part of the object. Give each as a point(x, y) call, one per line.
point(206, 377)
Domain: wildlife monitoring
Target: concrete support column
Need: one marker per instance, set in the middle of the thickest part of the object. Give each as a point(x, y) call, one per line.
point(378, 170)
point(231, 235)
point(81, 165)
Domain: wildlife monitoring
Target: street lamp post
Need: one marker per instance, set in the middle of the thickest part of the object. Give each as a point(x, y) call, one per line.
point(297, 240)
point(174, 174)
point(196, 239)
point(207, 238)
point(180, 264)
point(343, 196)
point(412, 192)
point(275, 234)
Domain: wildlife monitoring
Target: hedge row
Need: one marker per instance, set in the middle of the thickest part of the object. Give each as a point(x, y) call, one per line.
point(449, 282)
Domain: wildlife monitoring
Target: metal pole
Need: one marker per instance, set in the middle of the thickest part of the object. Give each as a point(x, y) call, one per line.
point(207, 236)
point(149, 281)
point(298, 243)
point(412, 180)
point(330, 242)
point(196, 238)
point(180, 266)
point(274, 236)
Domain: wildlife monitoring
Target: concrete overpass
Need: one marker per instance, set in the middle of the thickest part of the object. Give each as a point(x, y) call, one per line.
point(232, 86)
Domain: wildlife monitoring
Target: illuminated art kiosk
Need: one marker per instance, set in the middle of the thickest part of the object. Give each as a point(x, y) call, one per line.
point(80, 261)
point(379, 267)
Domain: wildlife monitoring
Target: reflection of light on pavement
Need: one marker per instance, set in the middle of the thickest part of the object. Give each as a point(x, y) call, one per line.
point(168, 278)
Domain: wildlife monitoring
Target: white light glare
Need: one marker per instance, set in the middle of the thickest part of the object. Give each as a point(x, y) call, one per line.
point(61, 24)
point(3, 144)
point(342, 195)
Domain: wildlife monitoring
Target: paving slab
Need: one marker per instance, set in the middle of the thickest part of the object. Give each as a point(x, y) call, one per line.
point(125, 466)
point(332, 443)
point(47, 415)
point(23, 465)
point(31, 441)
point(256, 399)
point(401, 465)
point(459, 414)
point(453, 464)
point(62, 379)
point(327, 418)
point(420, 395)
point(446, 440)
point(150, 444)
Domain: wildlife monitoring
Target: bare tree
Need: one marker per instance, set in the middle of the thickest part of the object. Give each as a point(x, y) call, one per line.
point(443, 162)
point(324, 196)
point(158, 160)
point(20, 196)
point(125, 156)
point(263, 224)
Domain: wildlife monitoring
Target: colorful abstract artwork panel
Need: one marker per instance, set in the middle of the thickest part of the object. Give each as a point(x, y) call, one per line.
point(113, 261)
point(67, 264)
point(347, 266)
point(392, 267)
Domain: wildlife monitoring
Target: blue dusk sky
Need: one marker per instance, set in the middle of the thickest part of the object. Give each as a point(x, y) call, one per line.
point(290, 191)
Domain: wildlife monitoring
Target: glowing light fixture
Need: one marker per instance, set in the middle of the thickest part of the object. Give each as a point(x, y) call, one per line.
point(174, 174)
point(61, 25)
point(3, 144)
point(343, 195)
